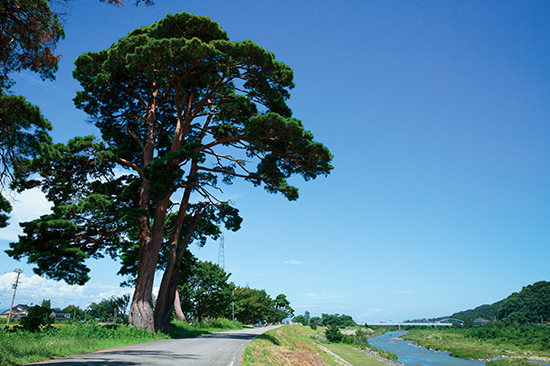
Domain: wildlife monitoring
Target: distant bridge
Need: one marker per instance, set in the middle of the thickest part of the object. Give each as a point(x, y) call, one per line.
point(447, 322)
point(403, 324)
point(452, 320)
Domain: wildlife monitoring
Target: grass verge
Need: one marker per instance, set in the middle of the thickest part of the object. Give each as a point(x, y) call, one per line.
point(20, 347)
point(286, 345)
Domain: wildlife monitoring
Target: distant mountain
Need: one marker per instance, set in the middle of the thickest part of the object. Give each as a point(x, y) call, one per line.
point(530, 305)
point(489, 312)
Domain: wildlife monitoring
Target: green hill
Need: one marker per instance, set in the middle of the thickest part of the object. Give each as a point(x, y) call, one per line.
point(530, 305)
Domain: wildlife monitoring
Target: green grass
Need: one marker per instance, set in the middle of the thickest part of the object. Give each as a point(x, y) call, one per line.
point(286, 345)
point(294, 345)
point(487, 343)
point(509, 362)
point(186, 330)
point(350, 354)
point(19, 347)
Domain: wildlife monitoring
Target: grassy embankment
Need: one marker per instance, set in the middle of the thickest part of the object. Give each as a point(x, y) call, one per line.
point(20, 347)
point(292, 345)
point(520, 342)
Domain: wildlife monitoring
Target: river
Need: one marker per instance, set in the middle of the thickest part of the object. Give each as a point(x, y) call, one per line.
point(410, 354)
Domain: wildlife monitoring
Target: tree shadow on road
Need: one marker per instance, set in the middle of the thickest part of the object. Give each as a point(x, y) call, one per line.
point(113, 357)
point(86, 362)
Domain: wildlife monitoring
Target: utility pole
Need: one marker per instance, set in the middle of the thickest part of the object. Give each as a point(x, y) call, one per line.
point(18, 271)
point(233, 312)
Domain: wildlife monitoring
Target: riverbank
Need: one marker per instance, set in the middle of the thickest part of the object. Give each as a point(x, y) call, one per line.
point(487, 343)
point(299, 345)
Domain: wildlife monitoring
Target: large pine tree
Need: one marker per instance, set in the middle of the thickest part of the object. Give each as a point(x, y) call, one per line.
point(181, 109)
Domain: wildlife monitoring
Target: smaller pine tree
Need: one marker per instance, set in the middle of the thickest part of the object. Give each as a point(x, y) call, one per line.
point(333, 334)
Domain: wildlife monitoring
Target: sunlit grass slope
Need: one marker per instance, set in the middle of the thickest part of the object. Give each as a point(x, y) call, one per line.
point(290, 345)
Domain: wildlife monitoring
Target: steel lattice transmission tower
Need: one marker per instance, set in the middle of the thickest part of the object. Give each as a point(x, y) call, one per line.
point(221, 253)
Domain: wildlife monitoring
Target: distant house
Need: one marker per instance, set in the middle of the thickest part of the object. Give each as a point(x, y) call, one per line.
point(60, 315)
point(17, 312)
point(480, 321)
point(21, 310)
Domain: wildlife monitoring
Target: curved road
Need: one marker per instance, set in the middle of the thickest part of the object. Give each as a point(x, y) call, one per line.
point(216, 349)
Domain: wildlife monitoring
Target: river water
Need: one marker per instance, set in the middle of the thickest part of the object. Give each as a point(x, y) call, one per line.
point(410, 354)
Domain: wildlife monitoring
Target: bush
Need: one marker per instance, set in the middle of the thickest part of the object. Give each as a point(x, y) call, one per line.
point(469, 354)
point(37, 317)
point(386, 354)
point(360, 339)
point(348, 339)
point(300, 319)
point(333, 334)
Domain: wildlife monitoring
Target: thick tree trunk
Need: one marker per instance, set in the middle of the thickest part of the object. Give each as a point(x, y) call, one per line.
point(141, 310)
point(165, 299)
point(177, 308)
point(169, 284)
point(167, 295)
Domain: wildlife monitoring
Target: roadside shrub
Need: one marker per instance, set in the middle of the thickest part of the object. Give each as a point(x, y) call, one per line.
point(219, 323)
point(37, 317)
point(179, 329)
point(333, 334)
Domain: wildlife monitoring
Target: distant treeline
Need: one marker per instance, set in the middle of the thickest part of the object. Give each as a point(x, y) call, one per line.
point(326, 320)
point(530, 305)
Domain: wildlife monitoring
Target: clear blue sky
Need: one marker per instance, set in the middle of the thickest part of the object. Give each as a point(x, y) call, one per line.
point(438, 115)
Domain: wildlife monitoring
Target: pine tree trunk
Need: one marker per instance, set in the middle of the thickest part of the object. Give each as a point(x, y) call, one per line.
point(141, 310)
point(180, 316)
point(166, 296)
point(169, 284)
point(163, 310)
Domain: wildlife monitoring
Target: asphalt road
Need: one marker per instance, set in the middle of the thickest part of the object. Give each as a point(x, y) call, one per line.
point(217, 349)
